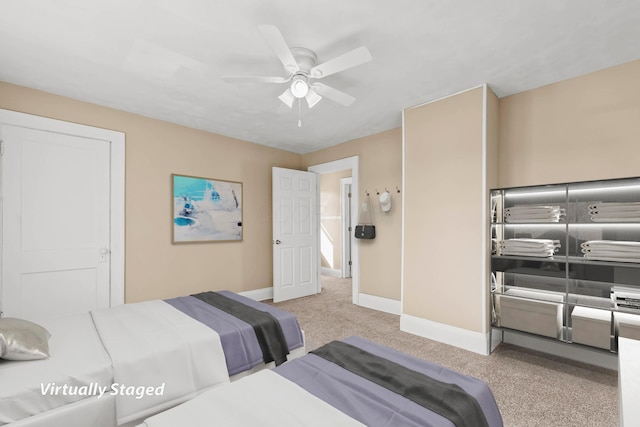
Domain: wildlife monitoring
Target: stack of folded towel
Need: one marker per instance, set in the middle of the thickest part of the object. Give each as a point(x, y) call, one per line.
point(611, 250)
point(615, 212)
point(626, 298)
point(524, 214)
point(528, 247)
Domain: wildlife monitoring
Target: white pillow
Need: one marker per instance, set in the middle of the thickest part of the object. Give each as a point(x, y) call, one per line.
point(23, 340)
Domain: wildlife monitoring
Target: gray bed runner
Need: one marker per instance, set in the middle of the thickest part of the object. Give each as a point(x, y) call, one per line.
point(267, 328)
point(446, 399)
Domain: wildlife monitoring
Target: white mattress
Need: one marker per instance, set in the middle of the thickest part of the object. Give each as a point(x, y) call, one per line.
point(77, 359)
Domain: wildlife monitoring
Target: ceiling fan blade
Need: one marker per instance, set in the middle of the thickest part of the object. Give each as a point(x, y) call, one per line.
point(287, 98)
point(333, 94)
point(255, 79)
point(312, 98)
point(275, 40)
point(345, 61)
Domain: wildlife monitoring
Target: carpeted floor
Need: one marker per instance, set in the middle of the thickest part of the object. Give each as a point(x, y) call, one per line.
point(532, 389)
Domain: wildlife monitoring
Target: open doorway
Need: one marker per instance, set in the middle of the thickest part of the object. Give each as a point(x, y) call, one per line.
point(332, 228)
point(335, 250)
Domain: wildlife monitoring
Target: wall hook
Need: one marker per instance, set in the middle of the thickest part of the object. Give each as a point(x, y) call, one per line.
point(397, 189)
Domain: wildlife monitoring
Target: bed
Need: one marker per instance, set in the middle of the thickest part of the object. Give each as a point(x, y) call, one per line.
point(353, 382)
point(116, 366)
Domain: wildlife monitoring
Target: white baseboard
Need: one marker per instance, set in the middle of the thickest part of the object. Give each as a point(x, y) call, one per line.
point(369, 301)
point(476, 342)
point(568, 351)
point(331, 272)
point(259, 294)
point(379, 303)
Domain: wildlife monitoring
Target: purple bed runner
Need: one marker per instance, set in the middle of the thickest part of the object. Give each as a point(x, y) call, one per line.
point(375, 405)
point(239, 342)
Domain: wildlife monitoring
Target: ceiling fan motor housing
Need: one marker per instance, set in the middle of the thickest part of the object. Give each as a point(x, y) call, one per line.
point(305, 58)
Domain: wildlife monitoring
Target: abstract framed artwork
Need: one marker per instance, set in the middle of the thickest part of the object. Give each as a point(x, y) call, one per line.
point(206, 210)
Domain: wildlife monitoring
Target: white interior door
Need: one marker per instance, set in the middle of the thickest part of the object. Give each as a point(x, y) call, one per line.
point(56, 225)
point(295, 234)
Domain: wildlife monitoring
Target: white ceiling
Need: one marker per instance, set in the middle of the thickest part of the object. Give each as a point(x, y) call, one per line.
point(165, 58)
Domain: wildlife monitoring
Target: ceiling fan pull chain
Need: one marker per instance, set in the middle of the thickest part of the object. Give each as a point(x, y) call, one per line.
point(299, 113)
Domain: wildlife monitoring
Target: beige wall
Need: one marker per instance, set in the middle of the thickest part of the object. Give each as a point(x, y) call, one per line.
point(444, 249)
point(580, 129)
point(380, 158)
point(155, 268)
point(330, 215)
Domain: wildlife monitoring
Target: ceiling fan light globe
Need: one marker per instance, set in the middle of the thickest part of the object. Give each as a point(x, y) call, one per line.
point(299, 88)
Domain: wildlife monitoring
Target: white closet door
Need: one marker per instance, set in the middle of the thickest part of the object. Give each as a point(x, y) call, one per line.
point(56, 227)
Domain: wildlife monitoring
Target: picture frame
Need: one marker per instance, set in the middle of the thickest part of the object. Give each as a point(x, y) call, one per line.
point(206, 210)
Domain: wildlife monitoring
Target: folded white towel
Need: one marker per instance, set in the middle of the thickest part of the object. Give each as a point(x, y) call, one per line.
point(540, 253)
point(610, 244)
point(614, 205)
point(612, 254)
point(534, 208)
point(550, 249)
point(531, 240)
point(526, 249)
point(613, 250)
point(532, 214)
point(524, 214)
point(615, 211)
point(529, 243)
point(532, 220)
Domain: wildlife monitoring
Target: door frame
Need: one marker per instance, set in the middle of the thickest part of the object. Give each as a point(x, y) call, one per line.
point(345, 233)
point(117, 186)
point(337, 166)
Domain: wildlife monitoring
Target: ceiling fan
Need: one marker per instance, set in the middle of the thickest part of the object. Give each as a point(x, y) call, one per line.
point(302, 70)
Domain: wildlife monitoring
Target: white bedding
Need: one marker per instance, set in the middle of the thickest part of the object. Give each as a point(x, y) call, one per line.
point(154, 345)
point(134, 345)
point(275, 402)
point(77, 359)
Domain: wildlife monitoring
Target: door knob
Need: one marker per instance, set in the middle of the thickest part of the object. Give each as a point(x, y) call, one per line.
point(102, 256)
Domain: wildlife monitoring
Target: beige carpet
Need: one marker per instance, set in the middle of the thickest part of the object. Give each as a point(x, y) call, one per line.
point(531, 389)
